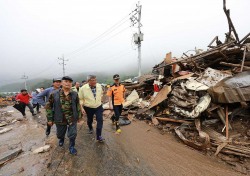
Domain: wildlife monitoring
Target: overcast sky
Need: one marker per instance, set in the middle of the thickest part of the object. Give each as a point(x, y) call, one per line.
point(34, 33)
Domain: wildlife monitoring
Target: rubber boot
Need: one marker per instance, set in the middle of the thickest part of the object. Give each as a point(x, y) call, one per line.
point(117, 125)
point(72, 149)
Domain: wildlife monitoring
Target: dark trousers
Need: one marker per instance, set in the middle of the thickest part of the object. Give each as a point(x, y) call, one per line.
point(90, 115)
point(37, 106)
point(30, 107)
point(117, 111)
point(62, 129)
point(20, 106)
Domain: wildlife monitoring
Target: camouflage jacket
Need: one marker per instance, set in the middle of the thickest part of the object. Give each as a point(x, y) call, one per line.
point(61, 110)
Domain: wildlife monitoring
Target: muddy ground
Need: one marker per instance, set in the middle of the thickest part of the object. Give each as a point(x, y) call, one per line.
point(139, 150)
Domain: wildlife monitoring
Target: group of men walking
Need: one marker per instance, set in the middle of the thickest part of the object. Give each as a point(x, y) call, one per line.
point(65, 105)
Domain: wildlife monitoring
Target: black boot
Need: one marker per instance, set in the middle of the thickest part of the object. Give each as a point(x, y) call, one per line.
point(112, 118)
point(61, 142)
point(72, 149)
point(48, 130)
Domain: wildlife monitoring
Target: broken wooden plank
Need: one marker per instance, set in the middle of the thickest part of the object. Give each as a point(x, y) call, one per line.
point(202, 55)
point(214, 134)
point(220, 147)
point(234, 153)
point(11, 154)
point(222, 115)
point(173, 120)
point(161, 96)
point(243, 60)
point(235, 65)
point(5, 130)
point(235, 150)
point(227, 128)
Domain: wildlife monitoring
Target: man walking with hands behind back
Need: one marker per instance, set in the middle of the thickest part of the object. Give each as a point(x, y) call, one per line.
point(91, 98)
point(63, 109)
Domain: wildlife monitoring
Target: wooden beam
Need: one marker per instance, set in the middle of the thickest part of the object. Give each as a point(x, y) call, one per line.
point(227, 126)
point(243, 60)
point(234, 65)
point(165, 119)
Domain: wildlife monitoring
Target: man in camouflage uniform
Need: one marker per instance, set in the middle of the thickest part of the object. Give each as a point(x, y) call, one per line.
point(63, 109)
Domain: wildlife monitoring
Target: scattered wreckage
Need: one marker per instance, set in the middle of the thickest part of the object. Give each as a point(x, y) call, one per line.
point(206, 97)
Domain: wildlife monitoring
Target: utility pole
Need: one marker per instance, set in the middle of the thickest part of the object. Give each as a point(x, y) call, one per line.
point(63, 64)
point(138, 37)
point(25, 82)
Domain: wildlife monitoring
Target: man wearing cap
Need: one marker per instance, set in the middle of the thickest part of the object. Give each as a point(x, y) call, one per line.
point(24, 97)
point(91, 98)
point(45, 95)
point(116, 94)
point(63, 109)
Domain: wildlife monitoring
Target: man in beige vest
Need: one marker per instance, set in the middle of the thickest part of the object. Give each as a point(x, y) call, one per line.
point(91, 99)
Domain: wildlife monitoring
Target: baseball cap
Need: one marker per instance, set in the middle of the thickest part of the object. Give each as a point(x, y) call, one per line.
point(57, 79)
point(116, 76)
point(67, 78)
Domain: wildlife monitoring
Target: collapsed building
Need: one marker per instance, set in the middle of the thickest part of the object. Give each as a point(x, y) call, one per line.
point(204, 98)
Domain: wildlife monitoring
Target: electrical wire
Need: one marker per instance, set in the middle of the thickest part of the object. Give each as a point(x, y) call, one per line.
point(111, 29)
point(102, 41)
point(108, 59)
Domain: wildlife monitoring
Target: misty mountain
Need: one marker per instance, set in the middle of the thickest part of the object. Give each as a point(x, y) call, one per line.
point(32, 84)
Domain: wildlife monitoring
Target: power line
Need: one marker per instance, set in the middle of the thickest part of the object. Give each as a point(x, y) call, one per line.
point(93, 41)
point(108, 59)
point(107, 32)
point(103, 41)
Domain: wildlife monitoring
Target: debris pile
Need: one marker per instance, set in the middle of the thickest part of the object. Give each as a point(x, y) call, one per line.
point(204, 98)
point(4, 102)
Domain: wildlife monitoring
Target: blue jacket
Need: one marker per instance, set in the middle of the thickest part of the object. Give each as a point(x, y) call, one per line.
point(45, 94)
point(34, 98)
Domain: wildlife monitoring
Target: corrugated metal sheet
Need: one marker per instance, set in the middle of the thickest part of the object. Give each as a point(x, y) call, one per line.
point(232, 90)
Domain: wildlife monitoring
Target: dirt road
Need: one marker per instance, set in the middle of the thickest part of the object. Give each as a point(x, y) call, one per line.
point(28, 135)
point(139, 150)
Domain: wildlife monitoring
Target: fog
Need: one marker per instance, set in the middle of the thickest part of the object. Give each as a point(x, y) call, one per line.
point(34, 34)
